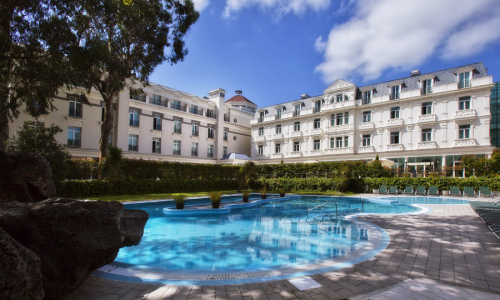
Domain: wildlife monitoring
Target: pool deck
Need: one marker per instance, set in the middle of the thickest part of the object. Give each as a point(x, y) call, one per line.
point(448, 253)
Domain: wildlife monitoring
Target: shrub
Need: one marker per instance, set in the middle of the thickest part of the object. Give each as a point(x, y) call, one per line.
point(215, 196)
point(179, 198)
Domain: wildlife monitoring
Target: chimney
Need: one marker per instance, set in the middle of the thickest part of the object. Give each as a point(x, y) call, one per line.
point(239, 92)
point(304, 96)
point(415, 73)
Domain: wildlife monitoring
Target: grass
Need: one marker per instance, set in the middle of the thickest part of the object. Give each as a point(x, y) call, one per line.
point(146, 197)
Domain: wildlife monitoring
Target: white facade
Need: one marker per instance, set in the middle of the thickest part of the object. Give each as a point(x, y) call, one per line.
point(445, 113)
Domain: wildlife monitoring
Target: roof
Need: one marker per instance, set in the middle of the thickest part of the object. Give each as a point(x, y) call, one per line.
point(236, 156)
point(239, 98)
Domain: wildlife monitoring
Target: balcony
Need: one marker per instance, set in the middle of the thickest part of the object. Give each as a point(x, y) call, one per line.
point(277, 136)
point(296, 134)
point(395, 122)
point(156, 126)
point(426, 91)
point(133, 148)
point(316, 153)
point(134, 123)
point(295, 154)
point(177, 152)
point(177, 131)
point(427, 119)
point(210, 154)
point(344, 150)
point(277, 155)
point(210, 135)
point(366, 126)
point(465, 114)
point(427, 145)
point(194, 152)
point(178, 107)
point(394, 96)
point(227, 118)
point(464, 84)
point(395, 147)
point(316, 110)
point(366, 149)
point(74, 143)
point(157, 151)
point(259, 138)
point(339, 128)
point(277, 117)
point(296, 113)
point(198, 112)
point(195, 133)
point(317, 131)
point(260, 120)
point(465, 142)
point(210, 115)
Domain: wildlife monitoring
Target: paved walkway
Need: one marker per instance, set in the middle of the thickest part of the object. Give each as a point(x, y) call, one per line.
point(449, 247)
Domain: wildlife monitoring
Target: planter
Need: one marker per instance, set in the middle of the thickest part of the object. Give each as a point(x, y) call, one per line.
point(282, 195)
point(179, 205)
point(446, 192)
point(245, 199)
point(375, 191)
point(263, 196)
point(215, 204)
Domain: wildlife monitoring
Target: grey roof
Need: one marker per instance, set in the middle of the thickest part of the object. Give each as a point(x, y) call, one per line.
point(236, 156)
point(409, 83)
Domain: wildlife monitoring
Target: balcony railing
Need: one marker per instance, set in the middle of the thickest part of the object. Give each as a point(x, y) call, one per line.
point(367, 100)
point(194, 153)
point(198, 112)
point(211, 115)
point(178, 107)
point(195, 133)
point(225, 138)
point(317, 110)
point(75, 113)
point(425, 91)
point(278, 116)
point(177, 152)
point(296, 113)
point(210, 154)
point(133, 147)
point(464, 84)
point(156, 126)
point(134, 123)
point(261, 120)
point(210, 135)
point(157, 150)
point(394, 96)
point(177, 130)
point(74, 143)
point(227, 118)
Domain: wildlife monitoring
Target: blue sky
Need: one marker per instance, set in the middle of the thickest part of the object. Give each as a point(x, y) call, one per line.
point(276, 50)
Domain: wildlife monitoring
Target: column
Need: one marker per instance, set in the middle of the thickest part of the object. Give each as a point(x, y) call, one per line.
point(217, 96)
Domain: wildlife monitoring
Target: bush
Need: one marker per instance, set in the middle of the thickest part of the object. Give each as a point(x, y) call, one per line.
point(312, 184)
point(443, 183)
point(81, 169)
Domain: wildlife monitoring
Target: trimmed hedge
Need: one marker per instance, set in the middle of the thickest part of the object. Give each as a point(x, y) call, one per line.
point(313, 184)
point(89, 188)
point(443, 183)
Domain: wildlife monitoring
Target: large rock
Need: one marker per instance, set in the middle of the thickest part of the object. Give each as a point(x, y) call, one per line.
point(25, 177)
point(20, 276)
point(71, 237)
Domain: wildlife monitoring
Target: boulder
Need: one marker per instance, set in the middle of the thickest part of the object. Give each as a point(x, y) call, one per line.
point(20, 276)
point(71, 237)
point(25, 177)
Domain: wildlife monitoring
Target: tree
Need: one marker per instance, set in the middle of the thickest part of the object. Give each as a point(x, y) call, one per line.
point(34, 41)
point(246, 175)
point(110, 168)
point(34, 138)
point(119, 43)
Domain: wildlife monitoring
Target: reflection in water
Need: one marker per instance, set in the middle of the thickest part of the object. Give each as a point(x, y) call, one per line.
point(276, 234)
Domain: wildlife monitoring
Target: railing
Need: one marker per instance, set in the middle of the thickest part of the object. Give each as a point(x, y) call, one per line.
point(133, 147)
point(227, 118)
point(194, 153)
point(155, 101)
point(210, 154)
point(177, 130)
point(210, 135)
point(195, 133)
point(464, 84)
point(317, 110)
point(225, 138)
point(278, 116)
point(210, 115)
point(425, 91)
point(260, 120)
point(157, 150)
point(75, 113)
point(196, 112)
point(134, 123)
point(177, 152)
point(156, 126)
point(178, 107)
point(367, 101)
point(74, 143)
point(394, 96)
point(296, 113)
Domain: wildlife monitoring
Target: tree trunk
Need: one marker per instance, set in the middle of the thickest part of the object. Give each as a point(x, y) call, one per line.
point(4, 129)
point(106, 128)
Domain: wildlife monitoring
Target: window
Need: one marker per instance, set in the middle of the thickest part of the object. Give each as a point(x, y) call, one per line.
point(211, 131)
point(210, 113)
point(224, 151)
point(194, 109)
point(156, 121)
point(426, 86)
point(346, 118)
point(296, 126)
point(278, 113)
point(342, 97)
point(367, 97)
point(340, 118)
point(156, 99)
point(194, 149)
point(395, 92)
point(346, 141)
point(464, 103)
point(427, 108)
point(317, 106)
point(332, 142)
point(395, 112)
point(134, 94)
point(177, 147)
point(195, 129)
point(156, 145)
point(464, 80)
point(395, 137)
point(74, 136)
point(339, 98)
point(277, 148)
point(134, 117)
point(278, 129)
point(261, 149)
point(226, 118)
point(261, 131)
point(132, 142)
point(226, 134)
point(176, 104)
point(464, 131)
point(317, 123)
point(426, 135)
point(75, 107)
point(338, 142)
point(296, 146)
point(297, 110)
point(366, 140)
point(367, 116)
point(261, 116)
point(177, 125)
point(317, 145)
point(210, 151)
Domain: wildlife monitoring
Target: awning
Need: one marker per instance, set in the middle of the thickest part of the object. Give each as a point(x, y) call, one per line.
point(420, 164)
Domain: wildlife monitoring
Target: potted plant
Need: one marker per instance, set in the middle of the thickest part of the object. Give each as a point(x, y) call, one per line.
point(282, 192)
point(263, 193)
point(179, 200)
point(215, 198)
point(246, 196)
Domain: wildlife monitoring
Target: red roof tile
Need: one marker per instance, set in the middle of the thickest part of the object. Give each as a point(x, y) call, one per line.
point(239, 98)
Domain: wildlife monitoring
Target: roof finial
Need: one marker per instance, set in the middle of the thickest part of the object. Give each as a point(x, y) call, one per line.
point(239, 92)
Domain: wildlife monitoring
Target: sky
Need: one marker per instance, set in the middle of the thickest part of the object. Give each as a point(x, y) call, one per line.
point(276, 50)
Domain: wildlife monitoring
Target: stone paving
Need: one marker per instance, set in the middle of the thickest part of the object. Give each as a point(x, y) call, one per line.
point(449, 246)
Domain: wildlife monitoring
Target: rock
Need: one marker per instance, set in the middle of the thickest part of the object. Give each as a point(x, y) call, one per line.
point(25, 177)
point(71, 237)
point(20, 276)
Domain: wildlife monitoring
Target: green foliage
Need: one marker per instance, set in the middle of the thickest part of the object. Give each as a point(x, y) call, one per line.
point(377, 158)
point(81, 169)
point(110, 166)
point(263, 190)
point(215, 196)
point(443, 183)
point(311, 184)
point(246, 175)
point(179, 198)
point(89, 188)
point(42, 140)
point(245, 194)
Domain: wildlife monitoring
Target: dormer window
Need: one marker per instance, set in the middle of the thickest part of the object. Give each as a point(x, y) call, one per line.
point(395, 90)
point(317, 106)
point(297, 110)
point(278, 113)
point(426, 86)
point(464, 77)
point(367, 97)
point(261, 116)
point(342, 97)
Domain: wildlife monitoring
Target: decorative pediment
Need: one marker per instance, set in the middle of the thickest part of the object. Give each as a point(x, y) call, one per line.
point(339, 85)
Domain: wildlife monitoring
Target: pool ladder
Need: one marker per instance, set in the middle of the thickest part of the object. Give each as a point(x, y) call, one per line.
point(336, 210)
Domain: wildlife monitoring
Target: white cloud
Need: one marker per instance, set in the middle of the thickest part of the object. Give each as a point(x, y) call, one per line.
point(281, 6)
point(394, 34)
point(200, 5)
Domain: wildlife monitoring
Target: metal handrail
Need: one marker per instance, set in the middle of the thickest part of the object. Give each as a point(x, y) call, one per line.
point(321, 205)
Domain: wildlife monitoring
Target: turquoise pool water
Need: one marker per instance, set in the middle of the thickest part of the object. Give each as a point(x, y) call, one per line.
point(271, 235)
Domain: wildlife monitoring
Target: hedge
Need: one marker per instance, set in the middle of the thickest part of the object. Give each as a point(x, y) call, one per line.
point(89, 188)
point(312, 184)
point(443, 183)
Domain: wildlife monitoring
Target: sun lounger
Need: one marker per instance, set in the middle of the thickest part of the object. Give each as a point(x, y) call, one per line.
point(408, 190)
point(455, 191)
point(420, 190)
point(484, 191)
point(393, 189)
point(469, 192)
point(382, 189)
point(433, 190)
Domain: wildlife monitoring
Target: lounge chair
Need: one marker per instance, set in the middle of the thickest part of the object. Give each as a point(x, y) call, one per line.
point(469, 191)
point(393, 189)
point(420, 190)
point(382, 189)
point(433, 190)
point(408, 190)
point(484, 191)
point(455, 191)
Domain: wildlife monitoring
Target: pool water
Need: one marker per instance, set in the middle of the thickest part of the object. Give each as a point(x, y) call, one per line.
point(270, 235)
